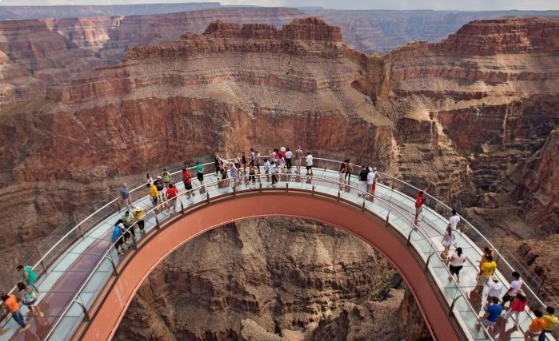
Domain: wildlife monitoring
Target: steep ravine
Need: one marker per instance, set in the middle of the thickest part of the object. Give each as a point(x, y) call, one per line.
point(272, 279)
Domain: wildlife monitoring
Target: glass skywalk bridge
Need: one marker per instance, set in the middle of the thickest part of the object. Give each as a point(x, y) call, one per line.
point(75, 273)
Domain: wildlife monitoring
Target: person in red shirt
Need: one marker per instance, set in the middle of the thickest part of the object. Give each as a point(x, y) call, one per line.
point(171, 194)
point(419, 205)
point(517, 306)
point(187, 179)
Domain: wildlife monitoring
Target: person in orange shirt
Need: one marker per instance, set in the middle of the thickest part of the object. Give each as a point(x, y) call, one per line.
point(11, 302)
point(536, 327)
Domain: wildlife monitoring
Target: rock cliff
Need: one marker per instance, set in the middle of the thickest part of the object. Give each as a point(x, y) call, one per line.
point(472, 116)
point(271, 279)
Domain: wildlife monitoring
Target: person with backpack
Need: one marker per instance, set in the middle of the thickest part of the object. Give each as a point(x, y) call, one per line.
point(28, 297)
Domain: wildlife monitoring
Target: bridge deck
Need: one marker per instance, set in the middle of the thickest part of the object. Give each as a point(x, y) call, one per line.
point(73, 270)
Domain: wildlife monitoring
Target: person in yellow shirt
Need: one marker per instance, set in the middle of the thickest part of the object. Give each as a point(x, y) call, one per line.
point(154, 194)
point(487, 270)
point(550, 323)
point(139, 214)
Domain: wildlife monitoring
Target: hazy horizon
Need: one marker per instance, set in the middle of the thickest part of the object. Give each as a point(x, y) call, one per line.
point(456, 5)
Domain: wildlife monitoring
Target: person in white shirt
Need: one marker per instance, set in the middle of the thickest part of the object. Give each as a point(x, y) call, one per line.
point(448, 241)
point(308, 163)
point(515, 286)
point(495, 287)
point(371, 178)
point(454, 221)
point(455, 264)
point(267, 166)
point(288, 157)
point(273, 173)
point(234, 171)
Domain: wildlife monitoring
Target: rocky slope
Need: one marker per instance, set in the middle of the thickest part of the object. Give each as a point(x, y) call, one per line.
point(472, 116)
point(35, 54)
point(269, 279)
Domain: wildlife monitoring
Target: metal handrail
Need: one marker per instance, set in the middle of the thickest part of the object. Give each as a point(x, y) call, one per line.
point(107, 254)
point(377, 197)
point(470, 225)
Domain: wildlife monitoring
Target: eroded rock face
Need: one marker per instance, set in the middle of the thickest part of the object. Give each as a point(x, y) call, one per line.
point(269, 279)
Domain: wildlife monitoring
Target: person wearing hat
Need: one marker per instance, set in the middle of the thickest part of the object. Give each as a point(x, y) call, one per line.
point(139, 215)
point(495, 287)
point(517, 306)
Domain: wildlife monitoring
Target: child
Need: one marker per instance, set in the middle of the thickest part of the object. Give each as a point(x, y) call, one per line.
point(28, 297)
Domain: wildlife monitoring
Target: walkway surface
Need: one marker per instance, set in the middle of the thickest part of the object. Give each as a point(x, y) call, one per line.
point(78, 277)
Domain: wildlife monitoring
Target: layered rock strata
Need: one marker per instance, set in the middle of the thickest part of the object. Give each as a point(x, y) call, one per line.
point(271, 279)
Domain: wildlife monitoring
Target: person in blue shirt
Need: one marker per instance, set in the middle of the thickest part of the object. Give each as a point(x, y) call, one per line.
point(492, 313)
point(117, 236)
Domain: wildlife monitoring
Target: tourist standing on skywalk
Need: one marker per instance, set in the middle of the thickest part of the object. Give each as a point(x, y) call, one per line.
point(348, 170)
point(309, 163)
point(139, 215)
point(536, 327)
point(362, 187)
point(187, 180)
point(448, 241)
point(273, 171)
point(342, 173)
point(456, 263)
point(516, 307)
point(28, 276)
point(454, 221)
point(217, 163)
point(28, 297)
point(492, 313)
point(288, 157)
point(124, 197)
point(487, 270)
point(14, 308)
point(514, 288)
point(200, 172)
point(298, 157)
point(419, 199)
point(171, 196)
point(267, 166)
point(117, 236)
point(550, 323)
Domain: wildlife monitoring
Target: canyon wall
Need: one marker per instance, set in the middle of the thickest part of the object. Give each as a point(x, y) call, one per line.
point(274, 279)
point(473, 117)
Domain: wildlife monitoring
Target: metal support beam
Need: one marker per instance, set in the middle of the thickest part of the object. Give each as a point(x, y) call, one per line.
point(115, 271)
point(451, 311)
point(84, 309)
point(157, 223)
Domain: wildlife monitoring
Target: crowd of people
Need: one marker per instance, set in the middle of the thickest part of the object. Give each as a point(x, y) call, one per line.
point(164, 194)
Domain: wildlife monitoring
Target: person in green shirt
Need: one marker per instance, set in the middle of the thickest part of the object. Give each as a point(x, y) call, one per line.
point(28, 276)
point(166, 177)
point(200, 172)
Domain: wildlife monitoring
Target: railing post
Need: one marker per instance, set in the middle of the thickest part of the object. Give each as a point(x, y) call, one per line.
point(363, 206)
point(207, 196)
point(234, 188)
point(182, 206)
point(110, 258)
point(339, 195)
point(43, 264)
point(388, 216)
point(118, 204)
point(80, 229)
point(84, 309)
point(313, 189)
point(157, 223)
point(134, 240)
point(409, 237)
point(287, 187)
point(260, 185)
point(427, 262)
point(451, 311)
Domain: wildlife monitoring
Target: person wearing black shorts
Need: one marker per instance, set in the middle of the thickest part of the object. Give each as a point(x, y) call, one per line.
point(456, 263)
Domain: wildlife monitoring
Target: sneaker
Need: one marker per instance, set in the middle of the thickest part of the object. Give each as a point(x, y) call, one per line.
point(142, 232)
point(24, 328)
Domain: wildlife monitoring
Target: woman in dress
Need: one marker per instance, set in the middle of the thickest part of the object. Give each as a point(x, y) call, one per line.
point(448, 240)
